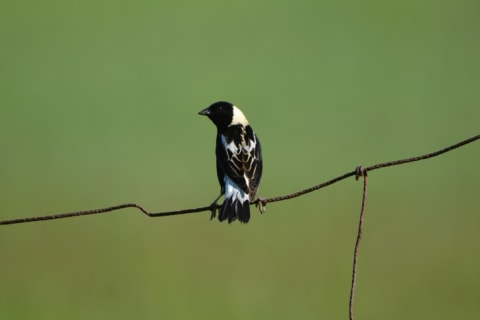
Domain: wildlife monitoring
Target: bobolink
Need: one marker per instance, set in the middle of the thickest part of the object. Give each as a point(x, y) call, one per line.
point(239, 160)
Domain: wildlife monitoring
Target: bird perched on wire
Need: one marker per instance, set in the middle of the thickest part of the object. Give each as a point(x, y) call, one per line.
point(239, 161)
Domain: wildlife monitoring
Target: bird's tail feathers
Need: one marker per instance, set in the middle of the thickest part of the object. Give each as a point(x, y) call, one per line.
point(234, 208)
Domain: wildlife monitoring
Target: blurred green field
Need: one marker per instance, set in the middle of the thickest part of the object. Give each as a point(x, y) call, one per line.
point(98, 103)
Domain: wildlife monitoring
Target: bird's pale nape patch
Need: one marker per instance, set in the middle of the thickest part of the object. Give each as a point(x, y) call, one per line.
point(238, 117)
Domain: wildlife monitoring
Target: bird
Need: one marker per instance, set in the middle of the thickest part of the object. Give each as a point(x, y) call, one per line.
point(238, 160)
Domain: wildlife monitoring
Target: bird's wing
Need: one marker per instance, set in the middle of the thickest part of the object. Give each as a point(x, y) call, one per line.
point(254, 164)
point(240, 157)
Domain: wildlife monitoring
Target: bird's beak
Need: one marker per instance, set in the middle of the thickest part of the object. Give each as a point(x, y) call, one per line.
point(204, 112)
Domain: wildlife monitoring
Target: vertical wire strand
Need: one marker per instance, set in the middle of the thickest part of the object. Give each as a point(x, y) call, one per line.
point(360, 172)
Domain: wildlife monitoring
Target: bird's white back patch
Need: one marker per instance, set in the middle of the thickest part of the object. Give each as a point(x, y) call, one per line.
point(229, 146)
point(238, 117)
point(233, 191)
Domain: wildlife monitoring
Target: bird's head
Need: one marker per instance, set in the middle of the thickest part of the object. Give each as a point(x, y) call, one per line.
point(224, 114)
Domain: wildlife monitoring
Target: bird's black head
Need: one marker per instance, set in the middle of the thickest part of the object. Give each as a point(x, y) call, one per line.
point(221, 113)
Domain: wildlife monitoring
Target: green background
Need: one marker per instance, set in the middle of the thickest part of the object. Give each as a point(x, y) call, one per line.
point(98, 103)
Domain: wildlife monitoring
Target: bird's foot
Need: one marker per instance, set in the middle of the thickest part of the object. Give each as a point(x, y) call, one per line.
point(261, 204)
point(213, 209)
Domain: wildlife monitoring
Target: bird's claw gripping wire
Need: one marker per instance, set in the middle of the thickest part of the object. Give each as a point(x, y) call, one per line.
point(214, 207)
point(261, 204)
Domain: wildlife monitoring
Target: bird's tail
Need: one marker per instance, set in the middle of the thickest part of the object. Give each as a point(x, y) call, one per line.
point(235, 208)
